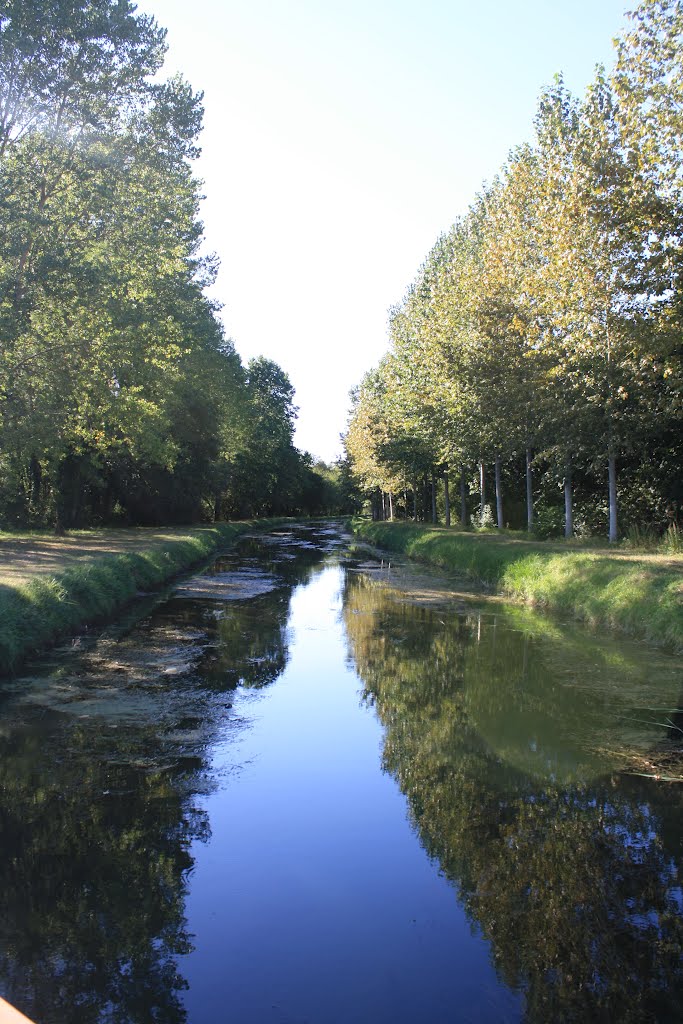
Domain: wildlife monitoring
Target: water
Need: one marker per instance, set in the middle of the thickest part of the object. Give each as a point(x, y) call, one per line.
point(306, 788)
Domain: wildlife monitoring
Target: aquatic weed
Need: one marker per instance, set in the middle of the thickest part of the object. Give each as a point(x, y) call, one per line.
point(33, 615)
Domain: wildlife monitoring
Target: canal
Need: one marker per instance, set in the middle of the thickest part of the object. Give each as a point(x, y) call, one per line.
point(306, 785)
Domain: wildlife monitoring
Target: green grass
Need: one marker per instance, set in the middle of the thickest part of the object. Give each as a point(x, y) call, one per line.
point(638, 594)
point(34, 612)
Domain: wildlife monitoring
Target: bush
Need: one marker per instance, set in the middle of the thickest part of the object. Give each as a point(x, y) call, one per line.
point(548, 522)
point(672, 542)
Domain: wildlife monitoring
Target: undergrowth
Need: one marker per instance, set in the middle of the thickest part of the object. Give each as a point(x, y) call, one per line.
point(642, 598)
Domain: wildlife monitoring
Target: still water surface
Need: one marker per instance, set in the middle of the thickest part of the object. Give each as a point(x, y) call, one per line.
point(290, 792)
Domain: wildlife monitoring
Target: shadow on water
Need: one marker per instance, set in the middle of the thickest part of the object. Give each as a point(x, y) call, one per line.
point(506, 734)
point(105, 750)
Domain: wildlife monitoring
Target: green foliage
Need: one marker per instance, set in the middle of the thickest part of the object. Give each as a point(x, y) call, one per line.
point(332, 489)
point(548, 522)
point(118, 388)
point(672, 542)
point(545, 325)
point(485, 521)
point(641, 539)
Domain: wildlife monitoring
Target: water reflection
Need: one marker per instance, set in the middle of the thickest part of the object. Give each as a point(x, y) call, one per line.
point(92, 878)
point(507, 735)
point(504, 734)
point(104, 754)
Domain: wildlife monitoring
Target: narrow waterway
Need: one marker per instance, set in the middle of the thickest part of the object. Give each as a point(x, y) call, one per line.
point(310, 787)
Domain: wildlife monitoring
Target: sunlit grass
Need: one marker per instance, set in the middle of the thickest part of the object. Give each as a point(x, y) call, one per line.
point(638, 594)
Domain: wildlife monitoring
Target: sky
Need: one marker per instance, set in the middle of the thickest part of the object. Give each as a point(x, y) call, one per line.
point(341, 138)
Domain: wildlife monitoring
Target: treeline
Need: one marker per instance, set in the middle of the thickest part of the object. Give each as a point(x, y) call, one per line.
point(540, 344)
point(121, 399)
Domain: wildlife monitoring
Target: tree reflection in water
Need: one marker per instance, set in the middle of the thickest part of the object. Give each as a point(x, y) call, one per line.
point(103, 762)
point(92, 877)
point(506, 743)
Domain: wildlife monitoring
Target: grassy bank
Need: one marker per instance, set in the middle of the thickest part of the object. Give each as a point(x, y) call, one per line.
point(50, 586)
point(639, 594)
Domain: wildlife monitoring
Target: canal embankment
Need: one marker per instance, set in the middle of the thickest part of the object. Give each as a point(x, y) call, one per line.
point(51, 586)
point(637, 594)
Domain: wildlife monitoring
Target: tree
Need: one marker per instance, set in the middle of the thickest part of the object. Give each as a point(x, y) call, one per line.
point(100, 274)
point(266, 476)
point(602, 335)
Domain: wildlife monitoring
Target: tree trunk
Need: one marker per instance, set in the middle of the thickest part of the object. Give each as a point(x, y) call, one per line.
point(482, 493)
point(76, 503)
point(36, 475)
point(434, 517)
point(529, 493)
point(391, 507)
point(106, 503)
point(415, 501)
point(463, 497)
point(68, 493)
point(612, 481)
point(61, 496)
point(446, 497)
point(499, 496)
point(568, 516)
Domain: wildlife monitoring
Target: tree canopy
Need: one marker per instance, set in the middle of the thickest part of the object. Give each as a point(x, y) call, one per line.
point(121, 399)
point(543, 330)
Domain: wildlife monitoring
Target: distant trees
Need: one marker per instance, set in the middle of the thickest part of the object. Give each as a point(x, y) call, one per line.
point(541, 338)
point(120, 397)
point(266, 472)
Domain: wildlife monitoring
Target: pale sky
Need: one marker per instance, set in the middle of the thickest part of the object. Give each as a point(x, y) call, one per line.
point(341, 137)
